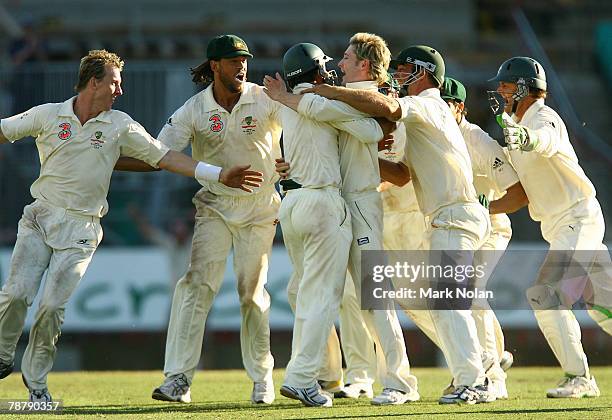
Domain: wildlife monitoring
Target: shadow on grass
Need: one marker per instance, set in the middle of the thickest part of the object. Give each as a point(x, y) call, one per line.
point(470, 413)
point(232, 407)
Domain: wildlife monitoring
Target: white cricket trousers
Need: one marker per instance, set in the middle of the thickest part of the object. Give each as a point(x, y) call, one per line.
point(247, 224)
point(317, 233)
point(403, 230)
point(581, 229)
point(357, 344)
point(383, 325)
point(48, 238)
point(463, 226)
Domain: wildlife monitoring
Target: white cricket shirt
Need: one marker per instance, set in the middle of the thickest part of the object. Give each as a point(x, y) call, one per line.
point(311, 146)
point(435, 153)
point(493, 174)
point(248, 135)
point(550, 174)
point(358, 151)
point(77, 161)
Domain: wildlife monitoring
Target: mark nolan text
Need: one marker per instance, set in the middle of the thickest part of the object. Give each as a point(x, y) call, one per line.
point(430, 293)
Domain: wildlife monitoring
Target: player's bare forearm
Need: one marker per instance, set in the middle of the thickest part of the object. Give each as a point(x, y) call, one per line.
point(514, 200)
point(290, 100)
point(395, 173)
point(129, 164)
point(368, 102)
point(178, 163)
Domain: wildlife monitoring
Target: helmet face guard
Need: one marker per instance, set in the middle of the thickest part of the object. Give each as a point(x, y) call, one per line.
point(498, 103)
point(329, 76)
point(405, 79)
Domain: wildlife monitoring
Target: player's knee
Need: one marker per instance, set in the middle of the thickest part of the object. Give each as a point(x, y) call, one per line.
point(17, 295)
point(542, 297)
point(603, 317)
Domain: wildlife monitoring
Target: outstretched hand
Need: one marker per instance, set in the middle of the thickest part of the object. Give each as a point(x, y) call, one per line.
point(274, 87)
point(240, 177)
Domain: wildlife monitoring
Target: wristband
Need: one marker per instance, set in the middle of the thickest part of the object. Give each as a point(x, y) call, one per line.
point(206, 172)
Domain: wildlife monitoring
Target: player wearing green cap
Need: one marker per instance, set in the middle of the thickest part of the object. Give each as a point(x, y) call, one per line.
point(231, 120)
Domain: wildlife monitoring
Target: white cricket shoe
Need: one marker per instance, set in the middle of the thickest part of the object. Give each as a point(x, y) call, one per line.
point(574, 387)
point(498, 388)
point(390, 396)
point(263, 393)
point(356, 391)
point(174, 389)
point(37, 395)
point(487, 363)
point(506, 360)
point(468, 395)
point(310, 397)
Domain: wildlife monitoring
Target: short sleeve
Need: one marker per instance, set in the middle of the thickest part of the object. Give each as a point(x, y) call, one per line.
point(137, 143)
point(177, 133)
point(27, 124)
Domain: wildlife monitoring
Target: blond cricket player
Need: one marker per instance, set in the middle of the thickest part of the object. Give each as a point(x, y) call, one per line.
point(439, 162)
point(231, 121)
point(562, 199)
point(315, 219)
point(79, 142)
point(361, 176)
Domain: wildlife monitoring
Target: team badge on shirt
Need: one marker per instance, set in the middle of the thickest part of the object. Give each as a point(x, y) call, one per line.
point(96, 140)
point(65, 133)
point(248, 124)
point(217, 124)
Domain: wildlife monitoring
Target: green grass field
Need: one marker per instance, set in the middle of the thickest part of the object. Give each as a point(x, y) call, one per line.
point(225, 395)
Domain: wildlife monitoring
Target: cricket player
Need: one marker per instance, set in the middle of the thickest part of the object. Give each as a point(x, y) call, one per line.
point(365, 64)
point(315, 219)
point(228, 122)
point(562, 199)
point(438, 160)
point(493, 178)
point(79, 142)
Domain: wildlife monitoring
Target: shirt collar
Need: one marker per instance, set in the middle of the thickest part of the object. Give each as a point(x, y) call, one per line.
point(67, 110)
point(210, 104)
point(364, 84)
point(533, 109)
point(301, 86)
point(431, 92)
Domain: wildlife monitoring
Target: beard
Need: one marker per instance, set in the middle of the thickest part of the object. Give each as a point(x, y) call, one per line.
point(231, 84)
